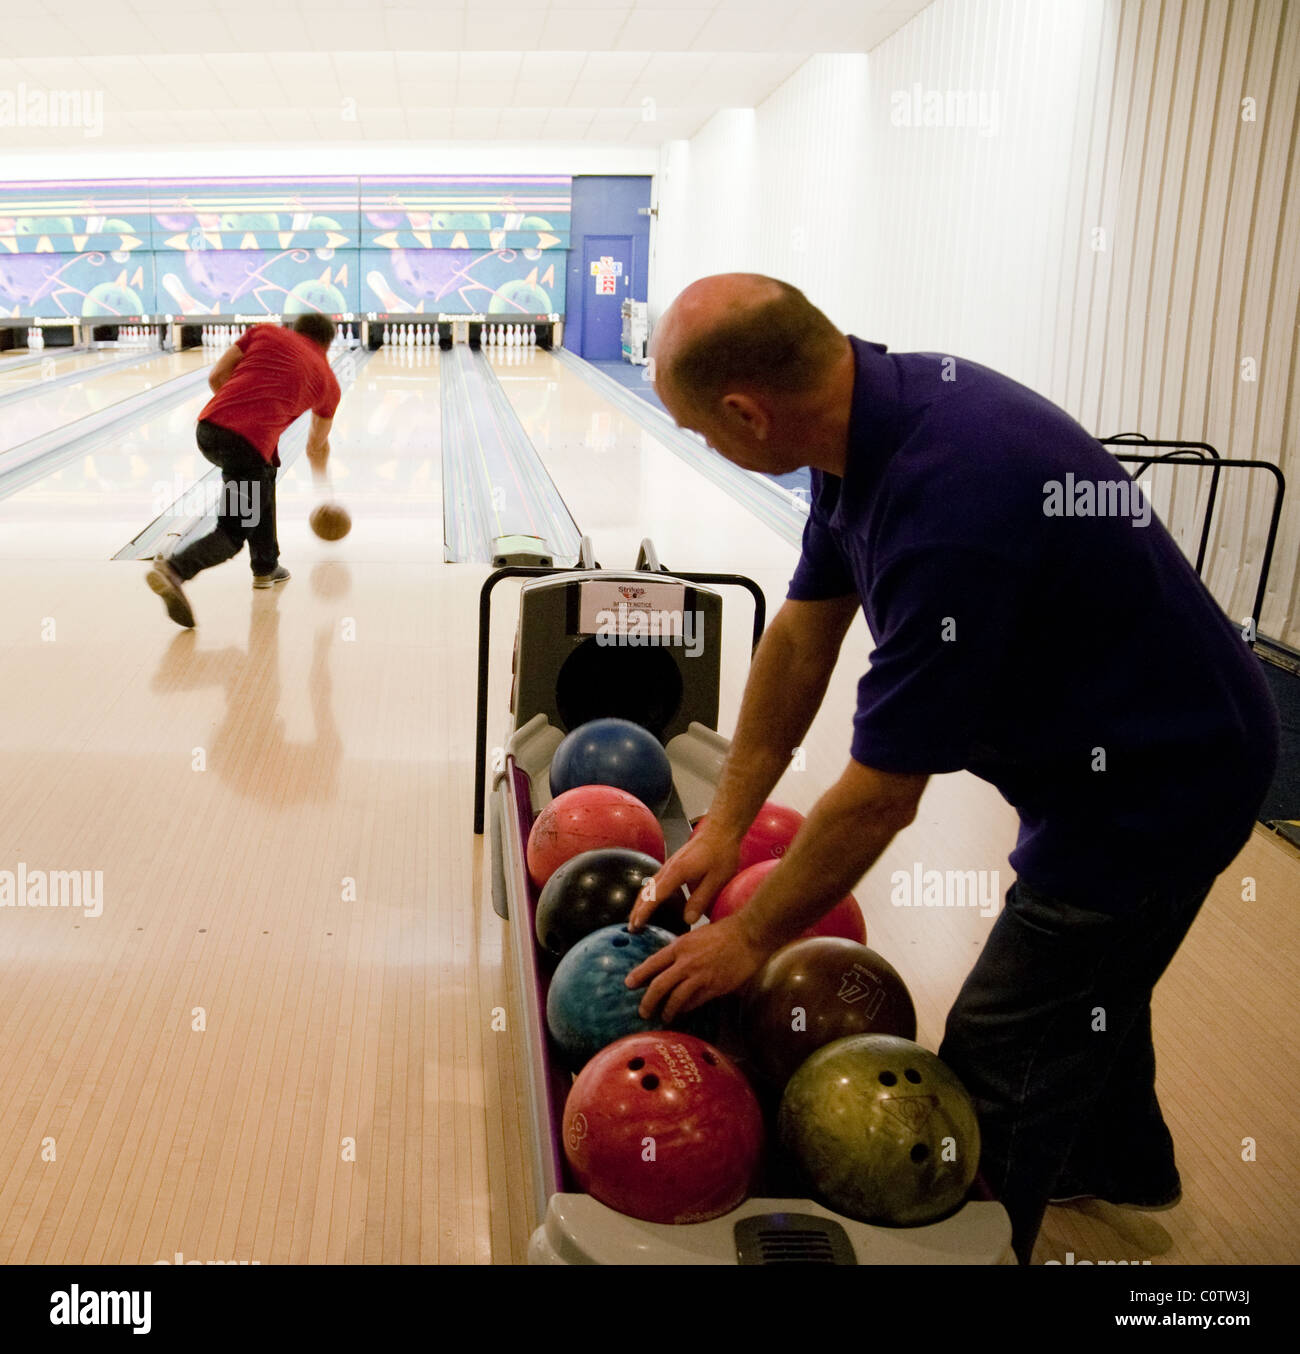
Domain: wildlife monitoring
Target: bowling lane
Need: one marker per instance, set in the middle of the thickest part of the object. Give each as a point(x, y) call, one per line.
point(385, 466)
point(622, 484)
point(57, 363)
point(42, 413)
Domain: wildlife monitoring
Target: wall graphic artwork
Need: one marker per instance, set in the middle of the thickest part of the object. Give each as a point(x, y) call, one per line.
point(213, 247)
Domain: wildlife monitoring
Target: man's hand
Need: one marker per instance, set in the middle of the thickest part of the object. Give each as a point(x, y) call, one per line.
point(318, 445)
point(705, 963)
point(704, 865)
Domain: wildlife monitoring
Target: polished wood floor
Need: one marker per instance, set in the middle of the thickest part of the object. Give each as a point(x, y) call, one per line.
point(276, 1042)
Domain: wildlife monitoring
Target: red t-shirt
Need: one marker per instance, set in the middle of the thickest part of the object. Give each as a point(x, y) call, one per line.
point(280, 376)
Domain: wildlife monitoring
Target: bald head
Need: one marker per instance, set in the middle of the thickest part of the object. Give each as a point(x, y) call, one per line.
point(754, 367)
point(743, 331)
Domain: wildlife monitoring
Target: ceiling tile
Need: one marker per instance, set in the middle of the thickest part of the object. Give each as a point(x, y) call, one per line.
point(661, 30)
point(583, 30)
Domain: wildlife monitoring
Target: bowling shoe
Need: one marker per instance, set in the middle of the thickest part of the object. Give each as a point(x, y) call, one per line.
point(281, 575)
point(166, 582)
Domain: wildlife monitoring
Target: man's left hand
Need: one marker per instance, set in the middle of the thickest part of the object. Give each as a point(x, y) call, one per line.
point(705, 963)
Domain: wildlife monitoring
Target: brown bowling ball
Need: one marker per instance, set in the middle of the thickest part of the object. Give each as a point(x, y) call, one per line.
point(814, 991)
point(330, 521)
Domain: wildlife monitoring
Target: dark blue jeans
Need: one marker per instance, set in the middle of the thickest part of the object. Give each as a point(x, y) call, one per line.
point(1051, 1035)
point(246, 511)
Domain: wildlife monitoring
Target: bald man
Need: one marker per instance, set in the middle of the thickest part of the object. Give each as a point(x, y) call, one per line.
point(1035, 625)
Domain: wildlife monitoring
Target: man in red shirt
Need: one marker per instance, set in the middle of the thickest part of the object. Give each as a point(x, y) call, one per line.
point(260, 385)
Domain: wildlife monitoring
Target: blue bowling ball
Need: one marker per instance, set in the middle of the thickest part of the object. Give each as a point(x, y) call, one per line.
point(614, 752)
point(588, 1005)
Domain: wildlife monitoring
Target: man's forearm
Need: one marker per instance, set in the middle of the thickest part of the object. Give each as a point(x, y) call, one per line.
point(841, 839)
point(783, 693)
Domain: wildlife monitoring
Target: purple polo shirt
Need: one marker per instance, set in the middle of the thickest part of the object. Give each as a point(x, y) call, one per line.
point(1029, 630)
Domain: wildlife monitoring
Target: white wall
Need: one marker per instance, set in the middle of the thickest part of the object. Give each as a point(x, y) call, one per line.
point(1084, 205)
point(770, 190)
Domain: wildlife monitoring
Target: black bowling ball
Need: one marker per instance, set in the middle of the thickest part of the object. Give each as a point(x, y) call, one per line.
point(599, 888)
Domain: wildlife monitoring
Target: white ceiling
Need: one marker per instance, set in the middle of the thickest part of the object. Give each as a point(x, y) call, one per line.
point(618, 72)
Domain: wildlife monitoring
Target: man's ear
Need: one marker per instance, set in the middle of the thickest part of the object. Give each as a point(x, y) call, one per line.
point(745, 409)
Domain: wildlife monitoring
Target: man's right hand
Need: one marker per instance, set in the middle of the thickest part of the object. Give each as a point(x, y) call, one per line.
point(705, 865)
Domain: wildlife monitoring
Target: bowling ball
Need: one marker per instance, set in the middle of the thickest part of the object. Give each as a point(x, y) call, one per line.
point(314, 295)
point(663, 1127)
point(769, 834)
point(614, 752)
point(599, 888)
point(881, 1130)
point(111, 299)
point(425, 272)
point(226, 274)
point(330, 521)
point(588, 1004)
point(520, 297)
point(844, 919)
point(584, 819)
point(812, 992)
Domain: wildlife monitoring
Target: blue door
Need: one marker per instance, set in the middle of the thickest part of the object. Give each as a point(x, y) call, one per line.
point(606, 280)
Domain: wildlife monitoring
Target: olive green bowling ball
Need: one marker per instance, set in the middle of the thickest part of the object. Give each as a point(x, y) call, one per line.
point(881, 1130)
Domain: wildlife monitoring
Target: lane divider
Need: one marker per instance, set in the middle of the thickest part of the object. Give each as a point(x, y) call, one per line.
point(785, 512)
point(494, 482)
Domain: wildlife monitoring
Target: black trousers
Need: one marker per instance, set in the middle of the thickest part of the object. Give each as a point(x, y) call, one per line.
point(1051, 1035)
point(247, 509)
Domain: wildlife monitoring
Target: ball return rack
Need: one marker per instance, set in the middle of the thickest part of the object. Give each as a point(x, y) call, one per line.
point(554, 669)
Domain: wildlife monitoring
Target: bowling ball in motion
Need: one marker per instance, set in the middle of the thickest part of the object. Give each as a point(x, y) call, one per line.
point(663, 1127)
point(600, 888)
point(769, 835)
point(881, 1130)
point(330, 521)
point(584, 819)
point(614, 752)
point(589, 1005)
point(812, 992)
point(844, 919)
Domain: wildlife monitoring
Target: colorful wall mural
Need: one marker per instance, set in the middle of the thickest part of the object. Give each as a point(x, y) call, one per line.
point(455, 244)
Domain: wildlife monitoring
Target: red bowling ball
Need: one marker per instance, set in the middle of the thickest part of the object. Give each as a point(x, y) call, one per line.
point(585, 819)
point(844, 919)
point(769, 834)
point(663, 1127)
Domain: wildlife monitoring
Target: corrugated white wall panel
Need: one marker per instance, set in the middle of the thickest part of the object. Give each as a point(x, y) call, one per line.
point(1098, 197)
